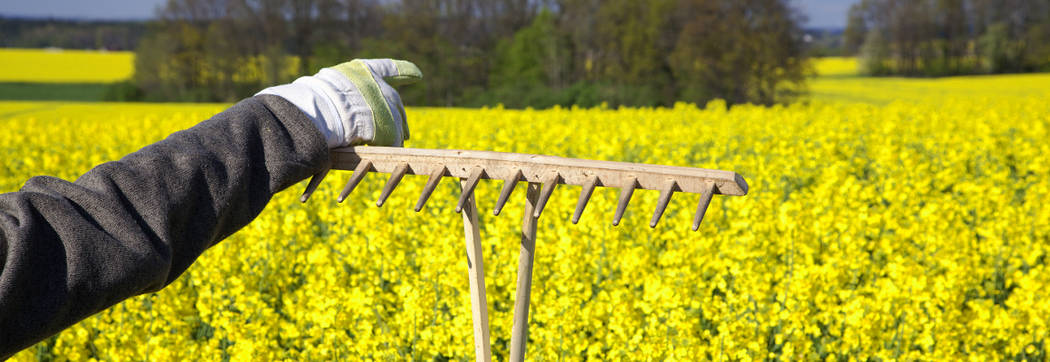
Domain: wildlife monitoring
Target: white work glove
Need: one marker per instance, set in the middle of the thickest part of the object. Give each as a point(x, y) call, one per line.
point(353, 103)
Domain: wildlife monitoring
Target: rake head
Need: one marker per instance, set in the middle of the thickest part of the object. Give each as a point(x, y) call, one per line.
point(550, 171)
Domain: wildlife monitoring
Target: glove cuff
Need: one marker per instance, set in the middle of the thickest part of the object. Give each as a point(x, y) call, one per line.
point(317, 106)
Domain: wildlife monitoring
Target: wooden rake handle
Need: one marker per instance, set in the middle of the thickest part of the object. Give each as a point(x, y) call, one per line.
point(550, 171)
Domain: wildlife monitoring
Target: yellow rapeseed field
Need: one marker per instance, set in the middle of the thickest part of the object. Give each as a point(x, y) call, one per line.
point(839, 82)
point(911, 230)
point(64, 66)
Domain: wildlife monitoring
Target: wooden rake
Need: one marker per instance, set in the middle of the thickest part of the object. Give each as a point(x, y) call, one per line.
point(543, 174)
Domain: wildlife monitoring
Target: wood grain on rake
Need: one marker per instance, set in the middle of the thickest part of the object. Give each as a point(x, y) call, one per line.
point(549, 171)
point(536, 168)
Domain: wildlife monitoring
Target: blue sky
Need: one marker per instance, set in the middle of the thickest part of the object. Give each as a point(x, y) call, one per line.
point(825, 13)
point(821, 13)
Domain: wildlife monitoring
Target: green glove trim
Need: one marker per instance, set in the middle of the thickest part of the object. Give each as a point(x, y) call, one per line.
point(382, 120)
point(406, 73)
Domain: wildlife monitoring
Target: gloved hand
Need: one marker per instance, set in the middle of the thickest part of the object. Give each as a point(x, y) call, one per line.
point(353, 103)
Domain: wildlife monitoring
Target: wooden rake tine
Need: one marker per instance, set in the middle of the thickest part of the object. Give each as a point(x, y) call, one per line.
point(661, 205)
point(545, 194)
point(432, 182)
point(585, 195)
point(395, 178)
point(625, 197)
point(468, 187)
point(359, 174)
point(314, 182)
point(508, 187)
point(705, 200)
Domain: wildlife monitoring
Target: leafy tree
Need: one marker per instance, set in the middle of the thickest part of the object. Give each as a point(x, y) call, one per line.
point(875, 54)
point(535, 56)
point(856, 29)
point(740, 51)
point(623, 52)
point(944, 37)
point(530, 65)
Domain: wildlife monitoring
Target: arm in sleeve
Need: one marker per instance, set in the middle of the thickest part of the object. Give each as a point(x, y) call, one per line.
point(71, 249)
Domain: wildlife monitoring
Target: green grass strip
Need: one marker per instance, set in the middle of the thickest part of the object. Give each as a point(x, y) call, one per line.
point(84, 92)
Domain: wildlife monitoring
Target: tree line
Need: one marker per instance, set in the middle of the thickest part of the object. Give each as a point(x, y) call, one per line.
point(948, 37)
point(73, 34)
point(519, 53)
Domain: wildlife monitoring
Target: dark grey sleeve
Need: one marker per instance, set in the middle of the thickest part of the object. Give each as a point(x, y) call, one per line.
point(71, 249)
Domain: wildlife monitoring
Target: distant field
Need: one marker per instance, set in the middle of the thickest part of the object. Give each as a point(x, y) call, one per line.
point(67, 75)
point(835, 66)
point(838, 81)
point(64, 66)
